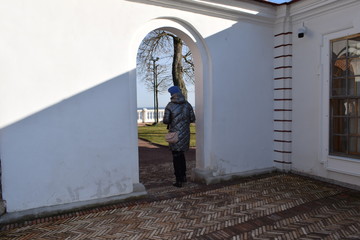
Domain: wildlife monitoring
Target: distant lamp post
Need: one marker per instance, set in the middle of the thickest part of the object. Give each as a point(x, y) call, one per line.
point(156, 104)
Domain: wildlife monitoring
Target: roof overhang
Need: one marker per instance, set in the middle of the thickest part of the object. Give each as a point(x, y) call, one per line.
point(250, 10)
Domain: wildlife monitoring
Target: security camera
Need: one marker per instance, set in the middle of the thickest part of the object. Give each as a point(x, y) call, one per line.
point(301, 32)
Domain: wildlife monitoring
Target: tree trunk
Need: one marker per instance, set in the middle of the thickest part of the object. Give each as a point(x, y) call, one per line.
point(156, 95)
point(177, 68)
point(157, 105)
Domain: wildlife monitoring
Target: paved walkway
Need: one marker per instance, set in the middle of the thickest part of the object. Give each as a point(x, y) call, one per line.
point(271, 206)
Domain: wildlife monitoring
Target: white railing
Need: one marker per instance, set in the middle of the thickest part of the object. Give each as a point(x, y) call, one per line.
point(149, 115)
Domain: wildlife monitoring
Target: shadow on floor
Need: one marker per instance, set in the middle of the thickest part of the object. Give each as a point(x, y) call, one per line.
point(156, 167)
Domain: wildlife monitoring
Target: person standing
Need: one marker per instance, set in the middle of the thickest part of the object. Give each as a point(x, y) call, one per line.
point(178, 116)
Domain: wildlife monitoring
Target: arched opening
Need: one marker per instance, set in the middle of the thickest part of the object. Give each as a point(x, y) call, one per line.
point(158, 53)
point(203, 103)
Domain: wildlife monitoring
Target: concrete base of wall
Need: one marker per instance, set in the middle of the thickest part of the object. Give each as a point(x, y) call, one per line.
point(206, 176)
point(139, 191)
point(328, 180)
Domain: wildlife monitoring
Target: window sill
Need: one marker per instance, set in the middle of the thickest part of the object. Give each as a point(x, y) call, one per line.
point(343, 165)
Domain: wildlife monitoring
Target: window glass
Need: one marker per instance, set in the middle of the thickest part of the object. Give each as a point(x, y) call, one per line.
point(354, 66)
point(339, 87)
point(351, 107)
point(339, 68)
point(339, 49)
point(354, 47)
point(354, 126)
point(339, 144)
point(353, 87)
point(338, 107)
point(339, 125)
point(354, 145)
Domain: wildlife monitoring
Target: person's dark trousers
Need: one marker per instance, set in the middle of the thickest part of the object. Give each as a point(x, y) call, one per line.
point(183, 167)
point(179, 166)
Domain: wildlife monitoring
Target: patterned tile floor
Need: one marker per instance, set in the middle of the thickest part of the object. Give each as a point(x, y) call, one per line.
point(271, 206)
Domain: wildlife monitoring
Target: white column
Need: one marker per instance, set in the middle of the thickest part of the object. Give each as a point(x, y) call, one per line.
point(144, 115)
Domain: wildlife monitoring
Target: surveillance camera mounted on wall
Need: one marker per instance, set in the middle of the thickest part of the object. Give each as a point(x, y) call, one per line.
point(301, 31)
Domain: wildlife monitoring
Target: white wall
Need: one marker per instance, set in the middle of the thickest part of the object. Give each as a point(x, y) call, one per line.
point(242, 98)
point(311, 86)
point(65, 89)
point(68, 109)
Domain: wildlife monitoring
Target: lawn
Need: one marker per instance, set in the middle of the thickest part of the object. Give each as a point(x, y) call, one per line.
point(156, 133)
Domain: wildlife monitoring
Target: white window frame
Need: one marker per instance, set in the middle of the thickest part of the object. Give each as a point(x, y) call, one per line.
point(344, 165)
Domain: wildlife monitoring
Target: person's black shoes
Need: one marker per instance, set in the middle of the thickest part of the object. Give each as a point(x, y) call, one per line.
point(177, 184)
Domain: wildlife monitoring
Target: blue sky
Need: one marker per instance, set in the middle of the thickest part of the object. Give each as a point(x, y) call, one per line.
point(279, 1)
point(146, 98)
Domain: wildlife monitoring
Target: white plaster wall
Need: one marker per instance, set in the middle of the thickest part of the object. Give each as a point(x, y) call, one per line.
point(242, 98)
point(68, 109)
point(311, 87)
point(65, 103)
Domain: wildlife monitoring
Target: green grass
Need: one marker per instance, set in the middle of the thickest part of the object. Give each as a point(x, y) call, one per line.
point(156, 134)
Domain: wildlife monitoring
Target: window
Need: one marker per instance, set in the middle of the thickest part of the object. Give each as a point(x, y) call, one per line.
point(345, 97)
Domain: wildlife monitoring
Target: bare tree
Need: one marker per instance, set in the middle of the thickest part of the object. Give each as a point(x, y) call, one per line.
point(157, 80)
point(189, 69)
point(168, 47)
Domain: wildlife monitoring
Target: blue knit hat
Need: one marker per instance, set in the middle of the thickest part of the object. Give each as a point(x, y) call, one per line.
point(173, 90)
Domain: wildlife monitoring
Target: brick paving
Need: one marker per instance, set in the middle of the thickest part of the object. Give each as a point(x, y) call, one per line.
point(271, 206)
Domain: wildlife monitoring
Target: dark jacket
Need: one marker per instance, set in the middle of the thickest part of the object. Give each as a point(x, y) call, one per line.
point(178, 115)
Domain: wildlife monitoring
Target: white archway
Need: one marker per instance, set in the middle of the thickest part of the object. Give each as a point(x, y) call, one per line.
point(203, 84)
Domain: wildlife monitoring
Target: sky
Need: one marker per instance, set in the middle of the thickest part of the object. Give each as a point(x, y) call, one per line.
point(145, 98)
point(279, 1)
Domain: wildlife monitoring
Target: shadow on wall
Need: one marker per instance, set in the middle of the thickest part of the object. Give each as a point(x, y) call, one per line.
point(75, 150)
